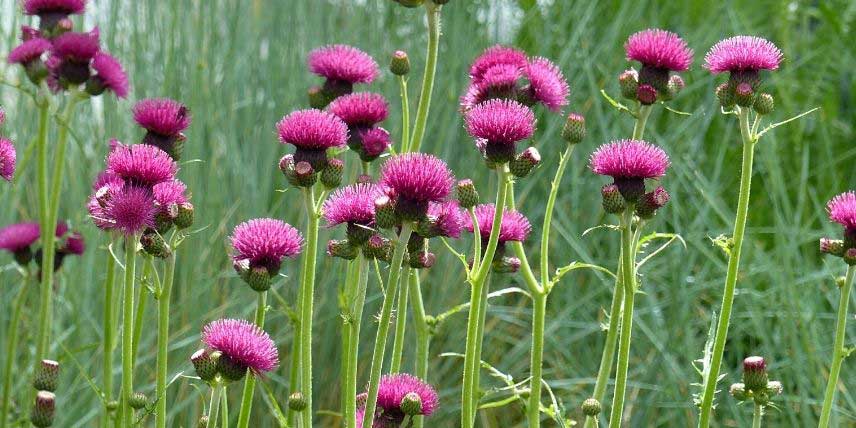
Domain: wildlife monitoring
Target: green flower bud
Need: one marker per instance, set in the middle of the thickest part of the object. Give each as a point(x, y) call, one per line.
point(764, 103)
point(744, 95)
point(411, 404)
point(47, 376)
point(297, 402)
point(629, 83)
point(613, 202)
point(525, 162)
point(185, 216)
point(138, 400)
point(466, 193)
point(738, 391)
point(574, 130)
point(591, 407)
point(342, 249)
point(205, 364)
point(42, 415)
point(400, 64)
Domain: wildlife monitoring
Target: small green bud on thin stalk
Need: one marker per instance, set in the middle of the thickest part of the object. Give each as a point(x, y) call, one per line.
point(764, 104)
point(525, 162)
point(138, 401)
point(725, 95)
point(400, 63)
point(591, 407)
point(574, 130)
point(185, 216)
point(205, 364)
point(646, 94)
point(613, 202)
point(466, 193)
point(342, 249)
point(411, 404)
point(385, 216)
point(755, 373)
point(331, 175)
point(738, 391)
point(629, 83)
point(203, 422)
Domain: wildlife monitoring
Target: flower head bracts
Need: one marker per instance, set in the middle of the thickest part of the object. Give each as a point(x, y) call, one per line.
point(243, 343)
point(742, 53)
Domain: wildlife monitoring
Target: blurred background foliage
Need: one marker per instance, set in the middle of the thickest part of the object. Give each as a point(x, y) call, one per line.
point(240, 66)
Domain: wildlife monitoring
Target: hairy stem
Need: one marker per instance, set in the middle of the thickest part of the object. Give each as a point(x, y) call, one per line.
point(757, 415)
point(400, 329)
point(405, 114)
point(838, 350)
point(423, 335)
point(109, 328)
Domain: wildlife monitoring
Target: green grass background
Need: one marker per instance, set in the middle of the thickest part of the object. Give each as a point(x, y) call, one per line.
point(240, 66)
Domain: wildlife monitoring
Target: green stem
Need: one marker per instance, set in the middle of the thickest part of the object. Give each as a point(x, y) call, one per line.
point(307, 285)
point(400, 327)
point(641, 121)
point(250, 381)
point(712, 376)
point(423, 335)
point(383, 324)
point(163, 334)
point(142, 301)
point(294, 369)
point(628, 273)
point(214, 406)
point(352, 352)
point(433, 12)
point(608, 355)
point(44, 216)
point(482, 320)
point(757, 415)
point(548, 214)
point(346, 292)
point(838, 350)
point(405, 114)
point(11, 348)
point(128, 329)
point(477, 244)
point(224, 398)
point(539, 315)
point(109, 329)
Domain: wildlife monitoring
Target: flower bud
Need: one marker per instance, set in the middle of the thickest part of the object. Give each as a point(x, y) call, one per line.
point(466, 193)
point(411, 404)
point(229, 370)
point(525, 162)
point(385, 216)
point(300, 174)
point(203, 422)
point(47, 375)
point(112, 405)
point(379, 248)
point(574, 130)
point(36, 71)
point(651, 202)
point(744, 95)
point(850, 256)
point(755, 373)
point(646, 94)
point(421, 260)
point(675, 86)
point(400, 64)
point(138, 400)
point(297, 402)
point(738, 391)
point(506, 265)
point(840, 281)
point(591, 407)
point(205, 364)
point(764, 103)
point(258, 278)
point(613, 202)
point(725, 96)
point(629, 82)
point(358, 234)
point(42, 415)
point(342, 249)
point(331, 175)
point(834, 247)
point(185, 216)
point(318, 98)
point(154, 245)
point(361, 399)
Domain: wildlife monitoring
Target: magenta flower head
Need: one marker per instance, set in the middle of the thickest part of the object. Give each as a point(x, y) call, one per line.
point(312, 132)
point(75, 51)
point(171, 201)
point(498, 81)
point(109, 75)
point(660, 53)
point(73, 244)
point(413, 180)
point(842, 210)
point(444, 219)
point(130, 210)
point(742, 54)
point(264, 243)
point(493, 56)
point(164, 120)
point(515, 226)
point(29, 51)
point(8, 157)
point(17, 239)
point(499, 124)
point(360, 109)
point(54, 10)
point(547, 85)
point(373, 142)
point(402, 394)
point(342, 66)
point(141, 164)
point(243, 346)
point(353, 205)
point(629, 163)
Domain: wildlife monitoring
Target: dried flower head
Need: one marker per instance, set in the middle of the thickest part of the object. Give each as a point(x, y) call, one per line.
point(245, 344)
point(742, 53)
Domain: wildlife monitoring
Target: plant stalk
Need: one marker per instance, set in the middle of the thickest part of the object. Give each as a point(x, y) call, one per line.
point(838, 350)
point(11, 350)
point(307, 286)
point(352, 352)
point(400, 329)
point(128, 330)
point(628, 273)
point(109, 329)
point(433, 12)
point(163, 334)
point(423, 334)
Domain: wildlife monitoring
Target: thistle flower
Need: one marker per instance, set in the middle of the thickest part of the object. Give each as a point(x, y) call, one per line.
point(28, 51)
point(164, 121)
point(394, 388)
point(493, 56)
point(141, 164)
point(629, 163)
point(373, 142)
point(169, 197)
point(547, 85)
point(515, 226)
point(264, 243)
point(659, 49)
point(109, 75)
point(842, 210)
point(343, 63)
point(19, 237)
point(498, 125)
point(742, 53)
point(8, 157)
point(354, 204)
point(312, 132)
point(244, 344)
point(71, 55)
point(414, 180)
point(54, 7)
point(360, 109)
point(130, 210)
point(73, 244)
point(444, 219)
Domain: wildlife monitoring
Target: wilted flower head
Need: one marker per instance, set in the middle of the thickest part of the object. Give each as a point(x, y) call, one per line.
point(109, 74)
point(360, 109)
point(394, 387)
point(245, 344)
point(343, 63)
point(842, 210)
point(54, 7)
point(659, 49)
point(493, 56)
point(130, 210)
point(264, 242)
point(312, 130)
point(352, 204)
point(29, 50)
point(417, 177)
point(742, 53)
point(500, 122)
point(547, 85)
point(162, 116)
point(8, 157)
point(629, 159)
point(18, 237)
point(515, 226)
point(141, 164)
point(77, 47)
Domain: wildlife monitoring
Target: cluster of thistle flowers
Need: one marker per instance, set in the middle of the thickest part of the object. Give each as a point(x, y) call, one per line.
point(62, 58)
point(20, 239)
point(8, 155)
point(842, 210)
point(756, 386)
point(138, 192)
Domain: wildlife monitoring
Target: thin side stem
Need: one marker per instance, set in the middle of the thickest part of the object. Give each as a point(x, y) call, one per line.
point(307, 286)
point(250, 381)
point(405, 114)
point(294, 367)
point(347, 291)
point(608, 356)
point(163, 335)
point(142, 301)
point(11, 350)
point(214, 405)
point(733, 268)
point(109, 328)
point(433, 12)
point(757, 415)
point(400, 328)
point(224, 398)
point(838, 350)
point(128, 330)
point(423, 335)
point(548, 214)
point(352, 352)
point(383, 324)
point(628, 273)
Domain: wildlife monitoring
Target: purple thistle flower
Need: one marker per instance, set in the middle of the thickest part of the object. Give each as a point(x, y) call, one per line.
point(394, 387)
point(28, 33)
point(162, 116)
point(169, 192)
point(498, 81)
point(54, 7)
point(29, 51)
point(515, 226)
point(493, 56)
point(417, 177)
point(343, 63)
point(8, 158)
point(629, 159)
point(110, 74)
point(141, 164)
point(742, 53)
point(547, 85)
point(374, 142)
point(354, 204)
point(245, 344)
point(659, 49)
point(130, 210)
point(18, 237)
point(447, 217)
point(499, 121)
point(77, 47)
point(264, 242)
point(312, 129)
point(74, 244)
point(360, 109)
point(105, 178)
point(842, 210)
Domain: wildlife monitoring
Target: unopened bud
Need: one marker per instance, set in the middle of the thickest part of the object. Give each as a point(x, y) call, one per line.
point(725, 95)
point(300, 174)
point(466, 193)
point(764, 103)
point(422, 260)
point(385, 216)
point(42, 415)
point(297, 402)
point(331, 175)
point(400, 64)
point(411, 404)
point(675, 86)
point(112, 405)
point(205, 364)
point(738, 391)
point(379, 248)
point(744, 95)
point(47, 376)
point(342, 249)
point(591, 407)
point(203, 422)
point(646, 94)
point(138, 400)
point(774, 387)
point(154, 245)
point(850, 256)
point(525, 162)
point(613, 202)
point(629, 82)
point(506, 265)
point(651, 202)
point(574, 130)
point(834, 247)
point(185, 216)
point(318, 97)
point(258, 278)
point(755, 373)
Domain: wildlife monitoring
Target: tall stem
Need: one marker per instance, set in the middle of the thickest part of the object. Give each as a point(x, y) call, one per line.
point(44, 225)
point(838, 350)
point(433, 11)
point(400, 327)
point(250, 381)
point(628, 273)
point(423, 335)
point(539, 314)
point(128, 330)
point(548, 214)
point(11, 350)
point(109, 329)
point(163, 334)
point(353, 350)
point(641, 121)
point(214, 406)
point(383, 324)
point(405, 114)
point(142, 301)
point(757, 415)
point(307, 285)
point(294, 367)
point(712, 376)
point(346, 295)
point(224, 398)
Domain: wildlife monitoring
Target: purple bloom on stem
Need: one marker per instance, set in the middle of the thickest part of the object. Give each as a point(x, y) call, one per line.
point(77, 47)
point(312, 130)
point(742, 53)
point(842, 210)
point(343, 63)
point(264, 242)
point(659, 49)
point(360, 109)
point(29, 51)
point(493, 56)
point(417, 178)
point(74, 244)
point(130, 210)
point(8, 157)
point(169, 192)
point(629, 159)
point(141, 164)
point(110, 74)
point(245, 344)
point(447, 218)
point(501, 122)
point(394, 387)
point(547, 85)
point(353, 204)
point(162, 116)
point(18, 237)
point(59, 7)
point(28, 33)
point(374, 141)
point(515, 226)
